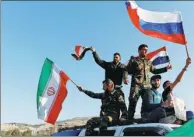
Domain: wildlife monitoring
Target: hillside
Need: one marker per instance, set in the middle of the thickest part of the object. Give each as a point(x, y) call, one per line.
point(44, 128)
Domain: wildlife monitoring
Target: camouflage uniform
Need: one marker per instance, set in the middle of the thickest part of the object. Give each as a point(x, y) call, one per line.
point(139, 69)
point(112, 103)
point(114, 72)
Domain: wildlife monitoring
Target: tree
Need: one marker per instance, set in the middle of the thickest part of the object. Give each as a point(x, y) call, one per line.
point(15, 132)
point(3, 133)
point(8, 133)
point(27, 133)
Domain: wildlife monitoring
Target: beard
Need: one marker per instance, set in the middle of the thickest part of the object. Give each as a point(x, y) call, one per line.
point(143, 55)
point(115, 61)
point(155, 86)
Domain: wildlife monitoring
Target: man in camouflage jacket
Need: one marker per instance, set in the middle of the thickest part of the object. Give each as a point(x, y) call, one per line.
point(139, 68)
point(112, 103)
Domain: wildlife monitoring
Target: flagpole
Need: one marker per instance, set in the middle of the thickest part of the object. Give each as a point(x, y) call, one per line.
point(187, 50)
point(73, 82)
point(168, 57)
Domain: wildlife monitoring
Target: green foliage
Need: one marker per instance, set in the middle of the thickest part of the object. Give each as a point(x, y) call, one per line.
point(8, 133)
point(43, 135)
point(15, 132)
point(27, 133)
point(3, 133)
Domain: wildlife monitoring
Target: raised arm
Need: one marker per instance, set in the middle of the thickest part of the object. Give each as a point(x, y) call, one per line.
point(98, 60)
point(179, 77)
point(91, 94)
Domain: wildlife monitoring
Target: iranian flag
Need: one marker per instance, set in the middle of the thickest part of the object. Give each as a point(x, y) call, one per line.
point(51, 92)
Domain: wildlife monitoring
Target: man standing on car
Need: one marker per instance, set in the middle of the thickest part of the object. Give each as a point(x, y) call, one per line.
point(139, 68)
point(116, 71)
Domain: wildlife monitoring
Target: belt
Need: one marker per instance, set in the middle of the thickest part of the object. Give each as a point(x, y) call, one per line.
point(118, 86)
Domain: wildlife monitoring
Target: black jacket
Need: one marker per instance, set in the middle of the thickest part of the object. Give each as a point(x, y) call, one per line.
point(114, 72)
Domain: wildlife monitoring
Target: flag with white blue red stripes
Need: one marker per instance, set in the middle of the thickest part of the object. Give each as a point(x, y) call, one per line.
point(159, 58)
point(163, 25)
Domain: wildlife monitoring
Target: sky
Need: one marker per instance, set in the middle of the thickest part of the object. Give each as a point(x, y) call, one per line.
point(32, 31)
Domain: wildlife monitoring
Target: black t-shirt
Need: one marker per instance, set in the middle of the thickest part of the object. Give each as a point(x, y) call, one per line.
point(165, 93)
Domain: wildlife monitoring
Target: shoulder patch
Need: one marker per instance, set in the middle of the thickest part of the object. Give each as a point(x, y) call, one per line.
point(121, 99)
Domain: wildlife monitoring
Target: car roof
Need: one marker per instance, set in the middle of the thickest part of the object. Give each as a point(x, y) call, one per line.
point(144, 125)
point(152, 125)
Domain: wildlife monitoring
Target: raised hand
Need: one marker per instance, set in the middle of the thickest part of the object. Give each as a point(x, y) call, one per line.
point(168, 103)
point(188, 61)
point(169, 66)
point(92, 49)
point(80, 88)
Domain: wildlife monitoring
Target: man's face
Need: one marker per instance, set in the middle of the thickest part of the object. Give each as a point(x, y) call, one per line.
point(116, 59)
point(108, 87)
point(143, 51)
point(155, 83)
point(167, 84)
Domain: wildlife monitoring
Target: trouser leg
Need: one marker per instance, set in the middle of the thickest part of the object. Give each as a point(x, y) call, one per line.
point(101, 122)
point(133, 99)
point(124, 114)
point(157, 114)
point(91, 124)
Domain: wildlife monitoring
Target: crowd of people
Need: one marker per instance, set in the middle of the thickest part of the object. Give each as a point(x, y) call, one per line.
point(156, 107)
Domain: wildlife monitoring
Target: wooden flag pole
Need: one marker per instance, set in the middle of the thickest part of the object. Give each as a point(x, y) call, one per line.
point(187, 50)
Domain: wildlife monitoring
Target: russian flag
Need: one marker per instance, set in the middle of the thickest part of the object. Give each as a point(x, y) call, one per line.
point(159, 58)
point(163, 25)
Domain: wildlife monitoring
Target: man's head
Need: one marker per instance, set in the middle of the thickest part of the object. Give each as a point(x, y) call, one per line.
point(108, 85)
point(142, 50)
point(166, 84)
point(116, 57)
point(155, 81)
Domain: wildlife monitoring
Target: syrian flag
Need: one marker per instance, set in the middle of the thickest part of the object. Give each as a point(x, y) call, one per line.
point(80, 52)
point(51, 92)
point(159, 58)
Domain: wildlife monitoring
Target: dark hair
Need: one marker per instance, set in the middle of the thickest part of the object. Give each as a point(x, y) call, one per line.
point(142, 46)
point(107, 81)
point(164, 84)
point(155, 77)
point(117, 54)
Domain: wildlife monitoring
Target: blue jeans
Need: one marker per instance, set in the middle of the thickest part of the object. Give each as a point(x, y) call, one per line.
point(155, 115)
